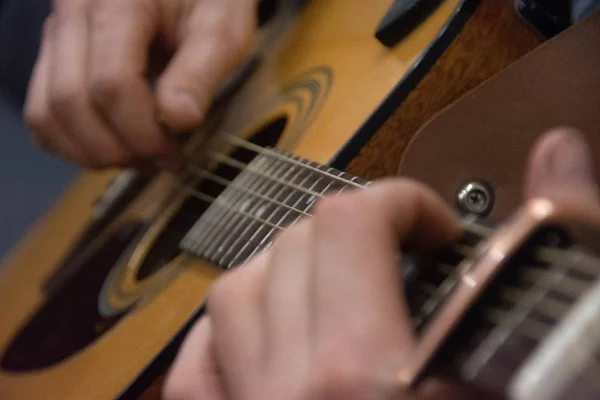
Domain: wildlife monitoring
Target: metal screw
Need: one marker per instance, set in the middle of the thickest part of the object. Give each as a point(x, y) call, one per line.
point(475, 197)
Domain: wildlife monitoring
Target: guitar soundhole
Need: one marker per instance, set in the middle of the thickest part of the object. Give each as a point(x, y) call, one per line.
point(73, 317)
point(69, 321)
point(166, 247)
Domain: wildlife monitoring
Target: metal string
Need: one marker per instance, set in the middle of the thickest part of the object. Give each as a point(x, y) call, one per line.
point(261, 150)
point(545, 254)
point(510, 294)
point(572, 287)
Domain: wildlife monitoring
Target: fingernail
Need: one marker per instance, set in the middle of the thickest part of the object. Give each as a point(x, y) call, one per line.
point(187, 104)
point(572, 161)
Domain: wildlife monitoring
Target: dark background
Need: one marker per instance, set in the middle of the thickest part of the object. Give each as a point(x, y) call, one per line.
point(29, 179)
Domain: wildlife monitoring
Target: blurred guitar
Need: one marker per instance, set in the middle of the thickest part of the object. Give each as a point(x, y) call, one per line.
point(94, 302)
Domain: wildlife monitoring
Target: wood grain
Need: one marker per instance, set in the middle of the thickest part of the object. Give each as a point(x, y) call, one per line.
point(491, 39)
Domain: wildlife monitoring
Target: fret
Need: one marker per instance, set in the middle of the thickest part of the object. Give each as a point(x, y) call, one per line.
point(305, 208)
point(216, 245)
point(564, 353)
point(291, 198)
point(280, 217)
point(311, 200)
point(208, 222)
point(203, 229)
point(250, 205)
point(270, 210)
point(519, 313)
point(228, 217)
point(193, 243)
point(430, 284)
point(547, 307)
point(227, 235)
point(279, 192)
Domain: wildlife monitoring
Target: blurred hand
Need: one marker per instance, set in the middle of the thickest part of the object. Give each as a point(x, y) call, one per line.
point(321, 314)
point(89, 99)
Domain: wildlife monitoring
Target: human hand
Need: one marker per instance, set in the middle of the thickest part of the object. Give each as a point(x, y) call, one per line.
point(89, 99)
point(321, 314)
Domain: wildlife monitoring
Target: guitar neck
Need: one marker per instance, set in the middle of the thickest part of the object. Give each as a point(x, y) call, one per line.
point(271, 193)
point(513, 317)
point(533, 323)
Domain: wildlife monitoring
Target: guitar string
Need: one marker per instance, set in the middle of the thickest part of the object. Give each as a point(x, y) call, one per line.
point(262, 150)
point(595, 363)
point(247, 145)
point(530, 322)
point(537, 330)
point(525, 271)
point(243, 166)
point(586, 268)
point(551, 255)
point(207, 174)
point(589, 262)
point(482, 230)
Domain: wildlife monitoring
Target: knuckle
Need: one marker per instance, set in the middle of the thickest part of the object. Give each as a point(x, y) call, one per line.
point(105, 87)
point(63, 98)
point(234, 37)
point(343, 205)
point(36, 118)
point(338, 374)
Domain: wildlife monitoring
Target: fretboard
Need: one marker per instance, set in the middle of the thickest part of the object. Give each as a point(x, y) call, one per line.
point(273, 192)
point(276, 190)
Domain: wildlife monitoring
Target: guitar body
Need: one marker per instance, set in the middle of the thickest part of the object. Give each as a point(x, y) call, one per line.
point(99, 316)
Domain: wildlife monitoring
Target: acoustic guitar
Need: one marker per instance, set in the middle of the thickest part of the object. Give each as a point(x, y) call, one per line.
point(96, 299)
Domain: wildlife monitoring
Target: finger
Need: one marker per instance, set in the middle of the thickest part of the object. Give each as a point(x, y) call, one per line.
point(68, 95)
point(194, 374)
point(120, 37)
point(236, 307)
point(46, 130)
point(561, 164)
point(357, 239)
point(289, 308)
point(213, 41)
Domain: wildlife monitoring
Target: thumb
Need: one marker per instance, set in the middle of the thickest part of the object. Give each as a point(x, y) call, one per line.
point(561, 165)
point(214, 36)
